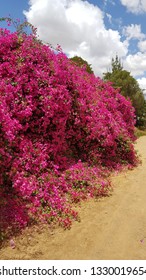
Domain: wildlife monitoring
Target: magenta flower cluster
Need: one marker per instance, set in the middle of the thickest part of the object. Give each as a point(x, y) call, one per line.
point(61, 129)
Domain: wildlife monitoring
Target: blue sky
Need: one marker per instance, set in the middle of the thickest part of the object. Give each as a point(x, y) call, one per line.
point(14, 8)
point(119, 11)
point(96, 30)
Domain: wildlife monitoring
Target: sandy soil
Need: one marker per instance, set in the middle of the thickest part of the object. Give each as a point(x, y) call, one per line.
point(111, 228)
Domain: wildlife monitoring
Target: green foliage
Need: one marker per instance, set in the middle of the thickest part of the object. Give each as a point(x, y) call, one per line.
point(116, 64)
point(79, 61)
point(129, 87)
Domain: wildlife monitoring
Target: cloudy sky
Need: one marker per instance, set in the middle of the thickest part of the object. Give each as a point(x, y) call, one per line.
point(96, 30)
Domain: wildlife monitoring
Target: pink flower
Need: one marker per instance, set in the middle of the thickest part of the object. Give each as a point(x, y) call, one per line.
point(12, 244)
point(61, 132)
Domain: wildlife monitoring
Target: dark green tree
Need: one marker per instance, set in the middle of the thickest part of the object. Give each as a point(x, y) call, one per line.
point(129, 87)
point(116, 64)
point(79, 61)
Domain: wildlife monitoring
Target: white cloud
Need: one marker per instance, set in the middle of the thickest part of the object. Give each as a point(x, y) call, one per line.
point(109, 17)
point(136, 64)
point(78, 27)
point(133, 31)
point(106, 2)
point(142, 46)
point(142, 84)
point(135, 6)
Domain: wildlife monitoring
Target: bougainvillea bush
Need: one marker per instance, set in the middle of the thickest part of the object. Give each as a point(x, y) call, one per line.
point(61, 131)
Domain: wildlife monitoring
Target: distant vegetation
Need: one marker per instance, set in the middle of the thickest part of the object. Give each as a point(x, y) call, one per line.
point(128, 86)
point(79, 61)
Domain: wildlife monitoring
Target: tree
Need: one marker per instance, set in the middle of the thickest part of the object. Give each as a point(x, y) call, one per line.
point(129, 87)
point(79, 61)
point(116, 64)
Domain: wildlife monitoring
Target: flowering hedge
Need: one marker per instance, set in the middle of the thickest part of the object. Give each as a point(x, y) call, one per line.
point(61, 129)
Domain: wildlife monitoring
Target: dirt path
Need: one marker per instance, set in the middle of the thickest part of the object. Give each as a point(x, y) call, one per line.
point(112, 228)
